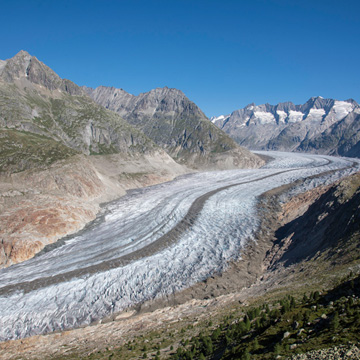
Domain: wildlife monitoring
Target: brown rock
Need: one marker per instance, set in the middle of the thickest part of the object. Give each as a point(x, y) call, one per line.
point(39, 207)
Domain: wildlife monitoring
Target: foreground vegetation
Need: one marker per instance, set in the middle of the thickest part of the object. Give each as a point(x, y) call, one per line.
point(277, 329)
point(288, 326)
point(23, 150)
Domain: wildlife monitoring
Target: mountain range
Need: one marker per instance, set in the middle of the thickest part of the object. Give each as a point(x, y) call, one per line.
point(323, 126)
point(66, 149)
point(44, 118)
point(34, 100)
point(63, 154)
point(174, 123)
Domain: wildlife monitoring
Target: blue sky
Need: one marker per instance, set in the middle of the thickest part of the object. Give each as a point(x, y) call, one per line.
point(221, 54)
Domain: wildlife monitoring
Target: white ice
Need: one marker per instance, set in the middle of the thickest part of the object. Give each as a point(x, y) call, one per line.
point(342, 108)
point(264, 117)
point(295, 116)
point(282, 115)
point(316, 114)
point(217, 118)
point(227, 221)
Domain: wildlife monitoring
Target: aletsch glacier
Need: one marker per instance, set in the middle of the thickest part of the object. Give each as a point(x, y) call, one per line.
point(76, 295)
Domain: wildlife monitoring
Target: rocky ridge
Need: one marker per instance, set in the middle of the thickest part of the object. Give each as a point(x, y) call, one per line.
point(323, 126)
point(23, 65)
point(177, 125)
point(349, 352)
point(36, 102)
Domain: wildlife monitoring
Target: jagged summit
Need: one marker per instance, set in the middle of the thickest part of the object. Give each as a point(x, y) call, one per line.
point(17, 66)
point(250, 106)
point(176, 124)
point(163, 99)
point(38, 102)
point(22, 53)
point(24, 67)
point(320, 126)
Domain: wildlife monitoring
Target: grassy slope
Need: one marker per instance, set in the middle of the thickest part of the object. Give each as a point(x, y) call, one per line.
point(22, 150)
point(37, 129)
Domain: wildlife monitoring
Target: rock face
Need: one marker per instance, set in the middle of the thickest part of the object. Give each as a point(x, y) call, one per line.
point(23, 65)
point(38, 207)
point(177, 125)
point(322, 221)
point(323, 126)
point(38, 107)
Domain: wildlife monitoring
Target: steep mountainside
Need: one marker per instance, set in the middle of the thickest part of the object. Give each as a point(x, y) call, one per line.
point(328, 230)
point(49, 186)
point(42, 113)
point(320, 125)
point(176, 124)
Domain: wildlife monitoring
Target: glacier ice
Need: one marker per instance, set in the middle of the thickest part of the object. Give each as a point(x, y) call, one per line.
point(60, 289)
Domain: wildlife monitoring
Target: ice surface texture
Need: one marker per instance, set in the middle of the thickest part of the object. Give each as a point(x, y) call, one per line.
point(96, 272)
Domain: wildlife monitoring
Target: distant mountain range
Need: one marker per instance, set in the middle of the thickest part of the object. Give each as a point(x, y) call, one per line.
point(323, 126)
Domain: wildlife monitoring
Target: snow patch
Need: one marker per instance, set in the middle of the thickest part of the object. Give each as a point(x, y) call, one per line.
point(282, 115)
point(295, 116)
point(264, 117)
point(216, 119)
point(316, 114)
point(221, 117)
point(342, 109)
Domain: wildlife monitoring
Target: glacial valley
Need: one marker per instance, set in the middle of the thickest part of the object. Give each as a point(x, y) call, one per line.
point(152, 242)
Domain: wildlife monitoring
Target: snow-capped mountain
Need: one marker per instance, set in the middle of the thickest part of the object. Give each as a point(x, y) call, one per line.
point(319, 126)
point(216, 119)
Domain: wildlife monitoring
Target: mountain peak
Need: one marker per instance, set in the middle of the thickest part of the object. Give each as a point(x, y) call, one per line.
point(22, 57)
point(250, 106)
point(25, 67)
point(17, 66)
point(317, 102)
point(178, 125)
point(165, 91)
point(22, 53)
point(320, 125)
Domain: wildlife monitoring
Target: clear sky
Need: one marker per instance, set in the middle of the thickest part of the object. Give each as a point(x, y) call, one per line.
point(221, 54)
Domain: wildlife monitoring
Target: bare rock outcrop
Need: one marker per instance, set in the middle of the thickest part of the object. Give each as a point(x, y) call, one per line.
point(177, 125)
point(325, 219)
point(39, 207)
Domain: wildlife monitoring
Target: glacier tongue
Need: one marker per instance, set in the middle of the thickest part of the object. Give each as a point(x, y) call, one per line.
point(39, 295)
